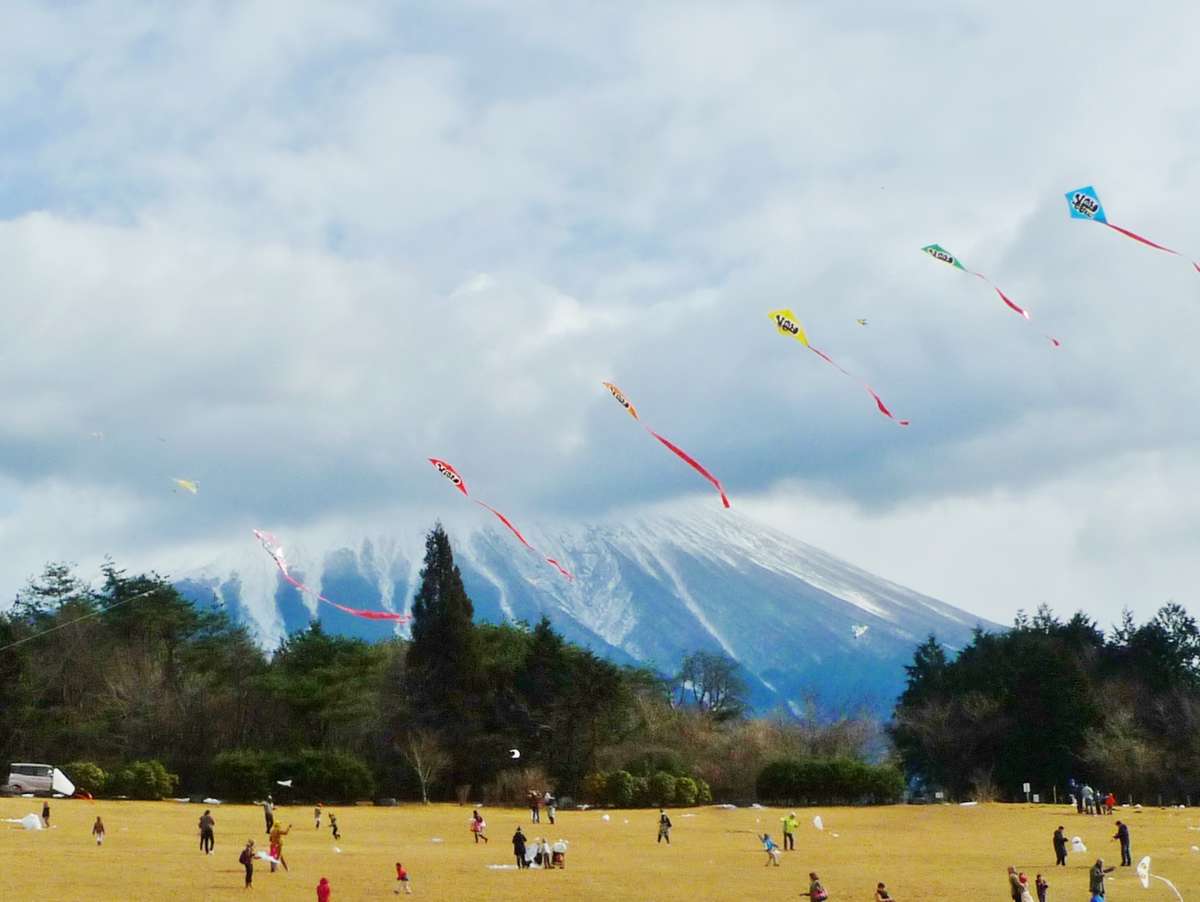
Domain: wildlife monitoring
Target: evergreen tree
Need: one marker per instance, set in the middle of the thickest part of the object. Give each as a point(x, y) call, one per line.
point(443, 669)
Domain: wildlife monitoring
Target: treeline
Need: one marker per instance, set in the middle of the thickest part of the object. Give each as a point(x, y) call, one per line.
point(145, 692)
point(1050, 700)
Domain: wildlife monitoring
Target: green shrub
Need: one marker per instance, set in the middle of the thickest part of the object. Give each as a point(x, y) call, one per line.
point(328, 776)
point(619, 789)
point(86, 776)
point(662, 789)
point(243, 775)
point(703, 792)
point(145, 780)
point(817, 781)
point(641, 793)
point(592, 790)
point(685, 791)
point(650, 762)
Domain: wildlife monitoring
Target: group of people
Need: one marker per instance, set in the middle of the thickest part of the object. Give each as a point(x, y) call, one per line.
point(538, 853)
point(1089, 801)
point(538, 801)
point(1018, 884)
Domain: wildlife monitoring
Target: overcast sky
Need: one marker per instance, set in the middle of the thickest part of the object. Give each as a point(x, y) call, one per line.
point(290, 250)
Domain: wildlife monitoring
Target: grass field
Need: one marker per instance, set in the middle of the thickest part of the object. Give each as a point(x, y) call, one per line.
point(923, 853)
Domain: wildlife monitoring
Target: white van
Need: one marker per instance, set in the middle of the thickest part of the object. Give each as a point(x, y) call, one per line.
point(38, 778)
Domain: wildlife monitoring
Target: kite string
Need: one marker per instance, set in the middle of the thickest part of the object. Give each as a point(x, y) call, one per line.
point(95, 613)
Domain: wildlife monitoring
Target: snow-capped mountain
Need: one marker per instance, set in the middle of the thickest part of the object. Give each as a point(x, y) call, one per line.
point(649, 588)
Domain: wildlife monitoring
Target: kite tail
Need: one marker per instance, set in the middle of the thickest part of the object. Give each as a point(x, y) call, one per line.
point(691, 462)
point(1017, 308)
point(516, 532)
point(1146, 241)
point(883, 409)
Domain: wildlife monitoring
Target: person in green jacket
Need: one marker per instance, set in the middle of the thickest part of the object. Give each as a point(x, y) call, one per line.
point(790, 823)
point(1096, 883)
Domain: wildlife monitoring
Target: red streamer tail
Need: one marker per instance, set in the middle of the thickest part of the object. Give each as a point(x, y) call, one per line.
point(883, 409)
point(1146, 241)
point(516, 532)
point(355, 612)
point(691, 462)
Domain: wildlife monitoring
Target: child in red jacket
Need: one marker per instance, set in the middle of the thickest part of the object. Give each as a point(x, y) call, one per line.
point(323, 890)
point(402, 879)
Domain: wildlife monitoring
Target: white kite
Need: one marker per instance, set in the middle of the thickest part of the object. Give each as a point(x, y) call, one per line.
point(514, 753)
point(287, 783)
point(818, 823)
point(29, 822)
point(266, 856)
point(1077, 844)
point(859, 630)
point(1144, 875)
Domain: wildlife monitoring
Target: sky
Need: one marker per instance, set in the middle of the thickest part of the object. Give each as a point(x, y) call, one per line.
point(291, 250)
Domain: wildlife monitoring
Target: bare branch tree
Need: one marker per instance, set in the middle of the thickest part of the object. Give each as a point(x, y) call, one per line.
point(426, 756)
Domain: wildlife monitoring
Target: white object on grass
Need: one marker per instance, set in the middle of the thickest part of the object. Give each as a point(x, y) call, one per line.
point(967, 804)
point(29, 822)
point(501, 867)
point(605, 817)
point(1077, 844)
point(818, 823)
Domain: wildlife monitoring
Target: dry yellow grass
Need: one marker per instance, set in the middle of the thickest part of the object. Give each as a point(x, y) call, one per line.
point(923, 853)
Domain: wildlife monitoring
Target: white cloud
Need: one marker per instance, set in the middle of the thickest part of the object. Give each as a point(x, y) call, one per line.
point(310, 246)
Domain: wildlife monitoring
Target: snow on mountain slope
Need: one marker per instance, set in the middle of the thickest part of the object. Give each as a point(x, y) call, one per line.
point(650, 587)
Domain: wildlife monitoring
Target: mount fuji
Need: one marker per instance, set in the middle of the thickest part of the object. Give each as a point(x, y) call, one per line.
point(649, 588)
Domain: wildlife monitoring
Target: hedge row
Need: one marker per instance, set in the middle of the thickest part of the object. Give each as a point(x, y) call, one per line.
point(136, 780)
point(248, 774)
point(832, 781)
point(621, 789)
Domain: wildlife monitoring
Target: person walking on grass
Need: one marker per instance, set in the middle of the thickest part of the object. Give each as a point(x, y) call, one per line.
point(402, 880)
point(771, 849)
point(46, 815)
point(816, 891)
point(98, 831)
point(664, 826)
point(324, 890)
point(246, 860)
point(478, 825)
point(882, 894)
point(277, 835)
point(1122, 834)
point(518, 843)
point(1060, 847)
point(333, 826)
point(317, 816)
point(1041, 886)
point(1014, 884)
point(268, 808)
point(206, 832)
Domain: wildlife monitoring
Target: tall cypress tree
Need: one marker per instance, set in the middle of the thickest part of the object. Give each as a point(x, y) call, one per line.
point(443, 670)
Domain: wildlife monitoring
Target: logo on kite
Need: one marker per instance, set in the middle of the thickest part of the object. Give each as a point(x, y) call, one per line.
point(450, 473)
point(940, 253)
point(789, 324)
point(621, 399)
point(1085, 204)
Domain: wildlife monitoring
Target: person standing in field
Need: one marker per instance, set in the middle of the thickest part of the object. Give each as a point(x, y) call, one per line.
point(324, 890)
point(882, 894)
point(1110, 802)
point(1096, 878)
point(1041, 886)
point(46, 815)
point(1025, 894)
point(269, 813)
point(1122, 834)
point(790, 823)
point(551, 806)
point(518, 842)
point(246, 860)
point(333, 826)
point(317, 816)
point(664, 826)
point(816, 891)
point(206, 832)
point(1060, 847)
point(535, 804)
point(1014, 884)
point(98, 831)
